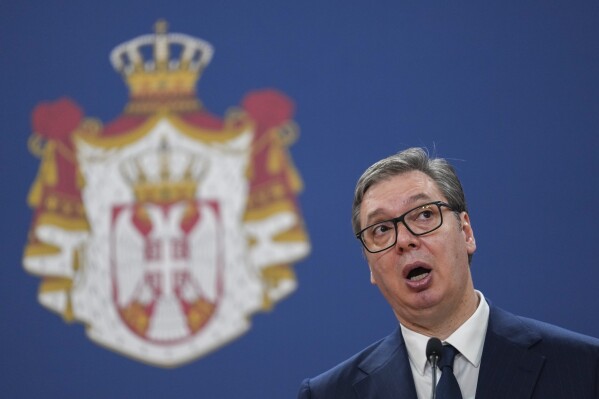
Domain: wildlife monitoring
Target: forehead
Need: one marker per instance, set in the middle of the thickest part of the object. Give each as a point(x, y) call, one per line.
point(398, 193)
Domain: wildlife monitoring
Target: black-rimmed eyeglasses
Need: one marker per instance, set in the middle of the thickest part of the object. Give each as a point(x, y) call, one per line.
point(419, 221)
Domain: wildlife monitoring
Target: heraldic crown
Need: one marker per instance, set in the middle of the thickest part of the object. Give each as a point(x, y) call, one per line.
point(163, 177)
point(161, 67)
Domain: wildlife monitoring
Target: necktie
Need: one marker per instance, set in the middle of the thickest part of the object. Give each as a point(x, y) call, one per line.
point(448, 387)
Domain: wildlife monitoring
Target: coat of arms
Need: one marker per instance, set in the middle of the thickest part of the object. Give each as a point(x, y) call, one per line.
point(167, 228)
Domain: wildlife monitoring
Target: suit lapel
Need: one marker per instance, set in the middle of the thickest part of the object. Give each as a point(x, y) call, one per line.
point(508, 368)
point(388, 371)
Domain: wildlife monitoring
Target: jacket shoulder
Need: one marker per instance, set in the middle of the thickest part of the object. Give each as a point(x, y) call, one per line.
point(558, 336)
point(338, 381)
point(538, 332)
point(540, 360)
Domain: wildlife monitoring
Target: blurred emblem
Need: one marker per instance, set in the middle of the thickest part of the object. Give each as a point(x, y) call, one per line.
point(165, 229)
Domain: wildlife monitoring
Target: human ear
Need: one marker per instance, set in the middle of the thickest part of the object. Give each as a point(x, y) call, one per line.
point(372, 280)
point(468, 232)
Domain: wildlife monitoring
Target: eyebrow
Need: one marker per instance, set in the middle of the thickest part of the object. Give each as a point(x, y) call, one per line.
point(418, 197)
point(410, 200)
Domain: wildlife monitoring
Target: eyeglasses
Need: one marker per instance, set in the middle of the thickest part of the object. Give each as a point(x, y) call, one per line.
point(419, 221)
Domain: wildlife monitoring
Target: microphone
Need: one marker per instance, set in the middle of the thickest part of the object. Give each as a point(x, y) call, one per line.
point(434, 347)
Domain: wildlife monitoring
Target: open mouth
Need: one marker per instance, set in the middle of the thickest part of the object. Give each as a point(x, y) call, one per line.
point(418, 273)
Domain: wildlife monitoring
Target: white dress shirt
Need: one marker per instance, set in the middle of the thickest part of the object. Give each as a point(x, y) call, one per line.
point(469, 339)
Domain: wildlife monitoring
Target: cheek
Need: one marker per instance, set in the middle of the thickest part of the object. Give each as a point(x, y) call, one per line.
point(381, 268)
point(374, 260)
point(455, 249)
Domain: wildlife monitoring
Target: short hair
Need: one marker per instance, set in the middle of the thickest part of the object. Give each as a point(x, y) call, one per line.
point(411, 159)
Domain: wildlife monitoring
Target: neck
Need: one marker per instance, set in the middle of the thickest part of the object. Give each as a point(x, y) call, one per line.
point(446, 325)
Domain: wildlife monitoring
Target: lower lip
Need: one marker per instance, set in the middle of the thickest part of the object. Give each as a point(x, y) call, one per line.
point(421, 284)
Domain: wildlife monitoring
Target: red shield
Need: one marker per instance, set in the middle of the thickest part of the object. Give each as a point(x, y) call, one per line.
point(167, 264)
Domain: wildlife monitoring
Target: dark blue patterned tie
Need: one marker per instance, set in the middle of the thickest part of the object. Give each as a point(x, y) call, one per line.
point(448, 387)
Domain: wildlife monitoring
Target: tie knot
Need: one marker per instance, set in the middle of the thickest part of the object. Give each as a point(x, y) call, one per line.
point(447, 356)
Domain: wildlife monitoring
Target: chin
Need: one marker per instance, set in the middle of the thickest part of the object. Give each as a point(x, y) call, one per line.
point(427, 300)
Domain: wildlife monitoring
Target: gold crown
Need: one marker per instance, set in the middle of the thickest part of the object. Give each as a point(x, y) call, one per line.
point(163, 176)
point(173, 66)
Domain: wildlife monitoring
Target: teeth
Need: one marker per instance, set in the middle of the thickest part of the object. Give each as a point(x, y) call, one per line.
point(419, 277)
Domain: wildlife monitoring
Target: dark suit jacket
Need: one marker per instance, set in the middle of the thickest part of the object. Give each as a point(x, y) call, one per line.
point(522, 358)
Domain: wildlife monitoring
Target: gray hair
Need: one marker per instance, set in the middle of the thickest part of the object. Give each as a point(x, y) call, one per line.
point(438, 169)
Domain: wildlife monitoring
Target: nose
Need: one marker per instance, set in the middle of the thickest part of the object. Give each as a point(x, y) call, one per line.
point(405, 239)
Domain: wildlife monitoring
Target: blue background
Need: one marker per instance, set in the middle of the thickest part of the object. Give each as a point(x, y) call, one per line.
point(509, 90)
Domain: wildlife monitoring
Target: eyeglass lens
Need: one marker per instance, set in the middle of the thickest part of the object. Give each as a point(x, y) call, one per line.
point(419, 221)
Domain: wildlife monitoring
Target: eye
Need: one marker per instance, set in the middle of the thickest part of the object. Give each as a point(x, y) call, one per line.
point(381, 229)
point(425, 214)
point(422, 216)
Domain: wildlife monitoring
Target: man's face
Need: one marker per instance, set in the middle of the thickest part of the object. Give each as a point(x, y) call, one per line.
point(425, 279)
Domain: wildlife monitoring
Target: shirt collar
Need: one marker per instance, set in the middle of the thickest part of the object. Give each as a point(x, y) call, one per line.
point(469, 338)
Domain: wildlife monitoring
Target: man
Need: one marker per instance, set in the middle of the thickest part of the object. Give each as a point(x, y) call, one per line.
point(410, 214)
